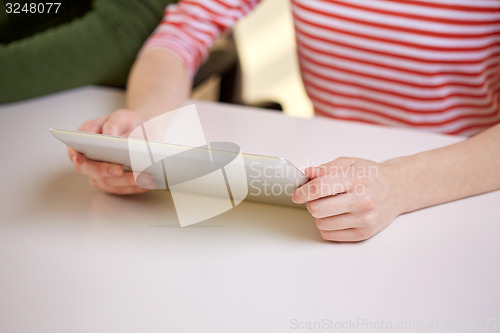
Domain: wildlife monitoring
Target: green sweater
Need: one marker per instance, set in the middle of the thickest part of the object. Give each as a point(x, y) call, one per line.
point(88, 42)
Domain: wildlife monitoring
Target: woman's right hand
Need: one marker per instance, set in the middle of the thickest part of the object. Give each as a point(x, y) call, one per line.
point(109, 177)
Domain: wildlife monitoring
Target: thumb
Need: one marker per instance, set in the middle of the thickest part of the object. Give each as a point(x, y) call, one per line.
point(314, 172)
point(118, 123)
point(93, 126)
point(111, 128)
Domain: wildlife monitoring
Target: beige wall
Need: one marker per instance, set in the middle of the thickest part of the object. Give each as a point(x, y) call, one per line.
point(266, 44)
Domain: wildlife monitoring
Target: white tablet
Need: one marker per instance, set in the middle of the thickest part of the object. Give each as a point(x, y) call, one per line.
point(268, 179)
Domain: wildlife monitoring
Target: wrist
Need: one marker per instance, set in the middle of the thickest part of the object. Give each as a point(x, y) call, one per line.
point(158, 83)
point(403, 189)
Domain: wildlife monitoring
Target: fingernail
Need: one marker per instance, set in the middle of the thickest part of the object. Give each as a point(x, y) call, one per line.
point(150, 182)
point(115, 170)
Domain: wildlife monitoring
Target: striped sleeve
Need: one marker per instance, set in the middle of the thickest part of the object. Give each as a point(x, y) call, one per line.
point(190, 27)
point(427, 64)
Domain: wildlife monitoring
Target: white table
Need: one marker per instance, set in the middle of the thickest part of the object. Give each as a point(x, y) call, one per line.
point(73, 259)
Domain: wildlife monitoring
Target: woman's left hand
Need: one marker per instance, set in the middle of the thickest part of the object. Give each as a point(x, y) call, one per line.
point(352, 199)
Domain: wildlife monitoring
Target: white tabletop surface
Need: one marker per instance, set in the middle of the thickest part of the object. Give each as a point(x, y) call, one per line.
point(73, 259)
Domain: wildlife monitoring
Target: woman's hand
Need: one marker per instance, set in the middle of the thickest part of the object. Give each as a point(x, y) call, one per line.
point(109, 177)
point(352, 199)
point(158, 82)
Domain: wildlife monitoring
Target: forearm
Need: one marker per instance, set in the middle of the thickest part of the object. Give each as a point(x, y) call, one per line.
point(457, 171)
point(158, 83)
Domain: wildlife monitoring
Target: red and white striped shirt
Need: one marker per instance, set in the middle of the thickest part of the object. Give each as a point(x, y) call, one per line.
point(427, 64)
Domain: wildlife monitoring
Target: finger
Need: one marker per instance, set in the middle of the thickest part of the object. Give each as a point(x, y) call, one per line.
point(347, 235)
point(145, 180)
point(93, 126)
point(120, 123)
point(71, 153)
point(77, 159)
point(338, 222)
point(314, 172)
point(120, 190)
point(128, 179)
point(321, 187)
point(333, 166)
point(97, 169)
point(341, 162)
point(112, 126)
point(331, 206)
point(129, 190)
